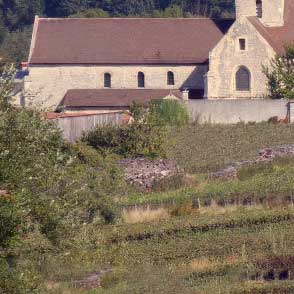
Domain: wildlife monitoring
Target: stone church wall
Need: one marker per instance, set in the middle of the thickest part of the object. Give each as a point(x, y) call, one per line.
point(273, 12)
point(46, 85)
point(226, 58)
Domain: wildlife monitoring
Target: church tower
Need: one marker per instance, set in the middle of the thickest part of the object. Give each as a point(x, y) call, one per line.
point(270, 12)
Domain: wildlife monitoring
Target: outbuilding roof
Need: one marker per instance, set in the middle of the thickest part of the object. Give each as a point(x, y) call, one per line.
point(125, 40)
point(91, 98)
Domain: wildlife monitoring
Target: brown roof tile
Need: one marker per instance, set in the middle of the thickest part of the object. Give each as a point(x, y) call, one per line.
point(125, 40)
point(55, 115)
point(82, 98)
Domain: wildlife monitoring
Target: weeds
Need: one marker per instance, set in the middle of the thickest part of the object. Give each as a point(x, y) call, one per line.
point(141, 215)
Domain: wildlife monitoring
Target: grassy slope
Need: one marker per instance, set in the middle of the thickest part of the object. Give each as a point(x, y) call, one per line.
point(217, 249)
point(210, 147)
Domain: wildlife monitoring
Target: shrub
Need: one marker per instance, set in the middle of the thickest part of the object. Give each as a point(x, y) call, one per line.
point(280, 75)
point(9, 222)
point(169, 112)
point(144, 137)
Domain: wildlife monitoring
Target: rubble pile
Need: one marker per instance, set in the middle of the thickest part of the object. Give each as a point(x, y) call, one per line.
point(144, 173)
point(265, 155)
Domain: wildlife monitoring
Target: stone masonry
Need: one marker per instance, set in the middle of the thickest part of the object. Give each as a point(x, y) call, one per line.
point(226, 58)
point(46, 85)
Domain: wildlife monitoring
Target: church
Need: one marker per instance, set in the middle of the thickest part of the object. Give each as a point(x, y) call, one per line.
point(78, 64)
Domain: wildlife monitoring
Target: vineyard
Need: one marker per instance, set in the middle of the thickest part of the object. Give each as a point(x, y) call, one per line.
point(208, 236)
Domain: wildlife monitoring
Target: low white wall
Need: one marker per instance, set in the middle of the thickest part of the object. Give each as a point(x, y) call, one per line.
point(236, 110)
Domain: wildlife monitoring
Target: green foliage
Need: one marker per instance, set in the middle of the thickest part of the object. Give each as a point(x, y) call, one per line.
point(92, 13)
point(169, 112)
point(51, 180)
point(15, 46)
point(55, 186)
point(173, 11)
point(280, 75)
point(10, 220)
point(143, 137)
point(6, 86)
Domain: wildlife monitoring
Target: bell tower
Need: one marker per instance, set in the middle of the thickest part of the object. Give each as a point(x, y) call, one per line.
point(245, 8)
point(270, 12)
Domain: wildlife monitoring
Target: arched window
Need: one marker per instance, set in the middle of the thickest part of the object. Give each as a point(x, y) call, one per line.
point(259, 8)
point(243, 79)
point(141, 80)
point(170, 78)
point(107, 80)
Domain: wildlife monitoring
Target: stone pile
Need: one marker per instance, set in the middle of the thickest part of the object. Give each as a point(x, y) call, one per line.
point(265, 155)
point(144, 173)
point(269, 154)
point(92, 281)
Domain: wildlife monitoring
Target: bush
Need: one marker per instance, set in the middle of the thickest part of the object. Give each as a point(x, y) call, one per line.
point(280, 75)
point(144, 137)
point(9, 222)
point(169, 112)
point(55, 186)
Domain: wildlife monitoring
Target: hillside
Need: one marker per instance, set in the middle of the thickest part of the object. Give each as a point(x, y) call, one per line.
point(84, 230)
point(208, 236)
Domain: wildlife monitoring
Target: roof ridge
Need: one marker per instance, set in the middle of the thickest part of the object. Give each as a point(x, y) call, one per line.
point(126, 18)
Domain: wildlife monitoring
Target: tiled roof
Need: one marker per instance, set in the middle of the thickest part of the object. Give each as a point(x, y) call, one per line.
point(55, 115)
point(278, 37)
point(79, 98)
point(125, 40)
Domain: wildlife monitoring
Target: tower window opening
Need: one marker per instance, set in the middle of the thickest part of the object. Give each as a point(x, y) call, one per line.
point(242, 44)
point(259, 8)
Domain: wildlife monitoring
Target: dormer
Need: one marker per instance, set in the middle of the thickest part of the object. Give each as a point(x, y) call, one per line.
point(270, 12)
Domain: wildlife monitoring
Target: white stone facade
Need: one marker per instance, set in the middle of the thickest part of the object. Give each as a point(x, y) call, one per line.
point(226, 58)
point(46, 85)
point(272, 11)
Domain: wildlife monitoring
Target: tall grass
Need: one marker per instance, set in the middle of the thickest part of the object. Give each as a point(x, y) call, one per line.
point(141, 215)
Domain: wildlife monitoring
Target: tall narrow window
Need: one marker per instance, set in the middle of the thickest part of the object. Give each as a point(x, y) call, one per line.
point(242, 44)
point(141, 80)
point(170, 78)
point(243, 79)
point(259, 8)
point(107, 80)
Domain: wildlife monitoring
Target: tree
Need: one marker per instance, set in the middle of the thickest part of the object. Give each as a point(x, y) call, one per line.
point(280, 75)
point(7, 73)
point(18, 13)
point(16, 45)
point(173, 11)
point(92, 13)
